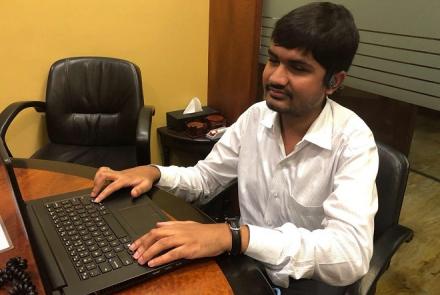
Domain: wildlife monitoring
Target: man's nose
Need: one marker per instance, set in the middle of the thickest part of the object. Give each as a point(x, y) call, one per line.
point(279, 75)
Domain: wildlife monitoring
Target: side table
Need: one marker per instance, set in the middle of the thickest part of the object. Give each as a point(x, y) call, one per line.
point(174, 140)
point(226, 203)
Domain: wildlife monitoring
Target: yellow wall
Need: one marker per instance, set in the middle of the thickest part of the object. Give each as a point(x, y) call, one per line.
point(167, 39)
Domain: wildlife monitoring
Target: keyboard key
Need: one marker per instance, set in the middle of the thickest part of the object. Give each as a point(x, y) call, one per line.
point(115, 262)
point(124, 240)
point(96, 253)
point(84, 254)
point(90, 242)
point(77, 243)
point(118, 248)
point(94, 272)
point(86, 237)
point(93, 248)
point(102, 244)
point(106, 249)
point(100, 259)
point(114, 243)
point(110, 254)
point(105, 267)
point(125, 258)
point(91, 266)
point(84, 275)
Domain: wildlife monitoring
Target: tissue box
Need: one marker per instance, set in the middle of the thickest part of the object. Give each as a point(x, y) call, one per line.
point(176, 120)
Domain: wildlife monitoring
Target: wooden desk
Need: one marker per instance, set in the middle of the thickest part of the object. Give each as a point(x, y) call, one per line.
point(39, 178)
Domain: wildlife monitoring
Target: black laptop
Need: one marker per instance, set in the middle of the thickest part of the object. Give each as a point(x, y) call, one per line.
point(82, 247)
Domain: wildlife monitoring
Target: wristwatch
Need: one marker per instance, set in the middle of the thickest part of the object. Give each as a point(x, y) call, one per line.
point(234, 226)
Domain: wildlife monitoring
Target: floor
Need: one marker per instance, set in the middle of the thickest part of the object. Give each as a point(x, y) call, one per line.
point(415, 268)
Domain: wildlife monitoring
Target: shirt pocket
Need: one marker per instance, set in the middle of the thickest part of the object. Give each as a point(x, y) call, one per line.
point(306, 216)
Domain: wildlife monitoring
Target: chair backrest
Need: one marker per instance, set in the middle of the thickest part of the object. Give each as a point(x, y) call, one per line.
point(391, 184)
point(93, 101)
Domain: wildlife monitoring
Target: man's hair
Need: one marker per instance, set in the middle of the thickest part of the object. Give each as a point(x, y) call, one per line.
point(325, 29)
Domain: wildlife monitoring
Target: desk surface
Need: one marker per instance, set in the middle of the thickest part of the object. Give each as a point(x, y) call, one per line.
point(37, 181)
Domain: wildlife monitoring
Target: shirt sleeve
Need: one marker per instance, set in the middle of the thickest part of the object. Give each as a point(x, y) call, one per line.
point(339, 253)
point(210, 176)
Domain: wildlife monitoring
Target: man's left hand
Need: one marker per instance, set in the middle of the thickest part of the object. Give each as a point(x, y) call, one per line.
point(181, 239)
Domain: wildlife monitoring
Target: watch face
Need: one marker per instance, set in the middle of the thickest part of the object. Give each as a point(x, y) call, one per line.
point(234, 223)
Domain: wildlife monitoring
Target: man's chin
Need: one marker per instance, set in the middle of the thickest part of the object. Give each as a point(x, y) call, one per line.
point(275, 106)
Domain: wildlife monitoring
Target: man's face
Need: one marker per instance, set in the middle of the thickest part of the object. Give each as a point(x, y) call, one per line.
point(293, 82)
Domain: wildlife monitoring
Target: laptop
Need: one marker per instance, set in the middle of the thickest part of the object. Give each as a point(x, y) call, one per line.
point(82, 247)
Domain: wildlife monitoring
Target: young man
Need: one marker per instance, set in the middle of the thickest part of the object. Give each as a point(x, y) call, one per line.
point(305, 165)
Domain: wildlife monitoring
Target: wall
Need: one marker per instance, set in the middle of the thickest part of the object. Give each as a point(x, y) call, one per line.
point(167, 39)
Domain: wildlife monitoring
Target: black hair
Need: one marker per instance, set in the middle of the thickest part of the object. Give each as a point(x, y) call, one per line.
point(326, 30)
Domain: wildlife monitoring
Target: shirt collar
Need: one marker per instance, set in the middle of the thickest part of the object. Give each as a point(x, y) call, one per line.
point(320, 132)
point(269, 118)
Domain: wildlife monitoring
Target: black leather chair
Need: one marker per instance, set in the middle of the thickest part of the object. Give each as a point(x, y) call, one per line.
point(388, 233)
point(95, 114)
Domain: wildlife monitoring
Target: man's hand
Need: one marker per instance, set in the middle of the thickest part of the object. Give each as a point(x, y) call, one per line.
point(181, 239)
point(107, 181)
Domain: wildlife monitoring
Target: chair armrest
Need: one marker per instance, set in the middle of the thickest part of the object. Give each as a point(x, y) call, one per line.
point(384, 249)
point(12, 110)
point(143, 135)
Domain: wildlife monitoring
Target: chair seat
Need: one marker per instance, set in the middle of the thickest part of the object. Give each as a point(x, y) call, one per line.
point(115, 157)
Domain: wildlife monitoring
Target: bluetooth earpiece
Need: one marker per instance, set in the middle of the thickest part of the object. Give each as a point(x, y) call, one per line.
point(332, 82)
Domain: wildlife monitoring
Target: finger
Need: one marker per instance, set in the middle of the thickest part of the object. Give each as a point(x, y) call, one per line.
point(139, 251)
point(142, 187)
point(171, 255)
point(98, 181)
point(173, 222)
point(158, 247)
point(134, 246)
point(146, 240)
point(109, 189)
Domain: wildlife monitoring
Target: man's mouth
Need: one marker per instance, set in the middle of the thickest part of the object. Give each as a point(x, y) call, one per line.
point(277, 93)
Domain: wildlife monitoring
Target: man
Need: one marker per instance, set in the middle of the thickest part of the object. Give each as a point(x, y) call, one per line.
point(305, 165)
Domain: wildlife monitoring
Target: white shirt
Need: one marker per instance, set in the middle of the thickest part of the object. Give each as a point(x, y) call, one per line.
point(310, 213)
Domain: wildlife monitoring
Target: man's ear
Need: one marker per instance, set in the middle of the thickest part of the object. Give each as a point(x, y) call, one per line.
point(335, 82)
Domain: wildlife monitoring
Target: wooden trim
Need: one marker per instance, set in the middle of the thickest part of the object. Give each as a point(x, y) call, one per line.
point(234, 36)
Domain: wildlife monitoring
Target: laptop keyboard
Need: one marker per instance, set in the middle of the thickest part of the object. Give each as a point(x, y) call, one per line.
point(94, 240)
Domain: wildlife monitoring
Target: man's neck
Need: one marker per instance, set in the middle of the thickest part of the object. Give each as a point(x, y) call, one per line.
point(294, 128)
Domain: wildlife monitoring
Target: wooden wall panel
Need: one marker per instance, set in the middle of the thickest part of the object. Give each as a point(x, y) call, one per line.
point(391, 121)
point(234, 29)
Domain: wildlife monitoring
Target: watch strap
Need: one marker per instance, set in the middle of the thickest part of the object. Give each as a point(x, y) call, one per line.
point(234, 226)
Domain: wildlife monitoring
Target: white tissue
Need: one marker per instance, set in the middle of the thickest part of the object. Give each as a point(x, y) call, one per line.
point(193, 106)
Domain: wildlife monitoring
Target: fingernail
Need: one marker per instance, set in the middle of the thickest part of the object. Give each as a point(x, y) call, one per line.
point(151, 263)
point(136, 255)
point(141, 261)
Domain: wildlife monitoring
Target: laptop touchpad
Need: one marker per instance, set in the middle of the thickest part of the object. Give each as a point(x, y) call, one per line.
point(141, 219)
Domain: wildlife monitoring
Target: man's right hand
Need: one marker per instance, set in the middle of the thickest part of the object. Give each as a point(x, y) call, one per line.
point(140, 178)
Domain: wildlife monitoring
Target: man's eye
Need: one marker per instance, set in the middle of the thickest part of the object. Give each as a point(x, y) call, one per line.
point(273, 61)
point(298, 68)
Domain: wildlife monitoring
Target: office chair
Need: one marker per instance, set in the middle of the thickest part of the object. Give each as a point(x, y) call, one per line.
point(388, 233)
point(95, 114)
